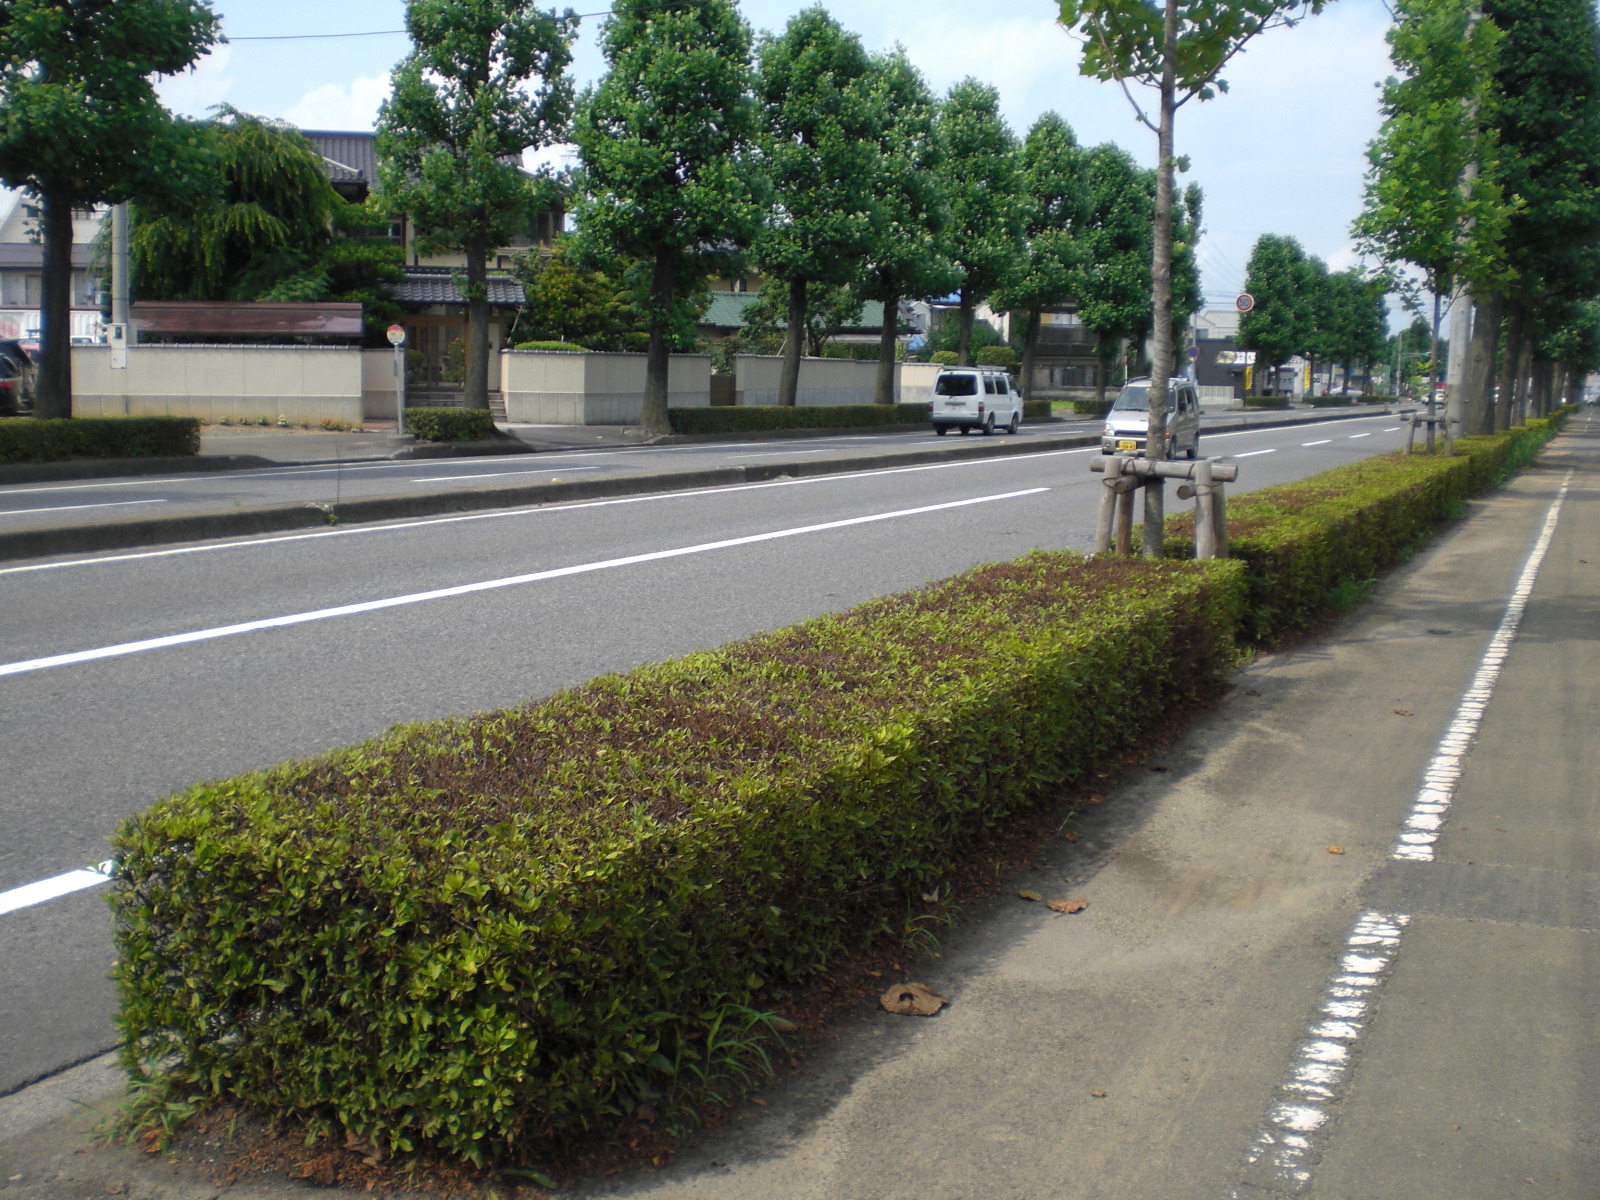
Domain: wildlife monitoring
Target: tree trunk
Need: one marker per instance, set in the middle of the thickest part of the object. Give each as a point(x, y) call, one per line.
point(53, 392)
point(1155, 442)
point(884, 392)
point(1433, 371)
point(475, 393)
point(1516, 322)
point(1030, 351)
point(789, 378)
point(1519, 409)
point(964, 344)
point(1479, 400)
point(1102, 369)
point(1543, 377)
point(658, 360)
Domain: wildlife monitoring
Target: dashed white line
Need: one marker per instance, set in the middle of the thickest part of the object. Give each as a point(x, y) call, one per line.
point(54, 888)
point(1354, 436)
point(1323, 442)
point(144, 645)
point(1253, 453)
point(23, 512)
point(1432, 804)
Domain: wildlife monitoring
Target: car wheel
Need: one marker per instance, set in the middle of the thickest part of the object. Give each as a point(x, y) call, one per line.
point(1015, 422)
point(941, 430)
point(988, 425)
point(1194, 447)
point(965, 429)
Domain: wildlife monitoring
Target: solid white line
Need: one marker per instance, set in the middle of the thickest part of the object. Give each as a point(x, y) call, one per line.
point(534, 510)
point(1253, 453)
point(55, 887)
point(23, 512)
point(495, 474)
point(345, 610)
point(1323, 442)
point(1284, 1148)
point(1432, 804)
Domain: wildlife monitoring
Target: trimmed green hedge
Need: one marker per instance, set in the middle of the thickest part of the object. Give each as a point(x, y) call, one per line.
point(474, 933)
point(1266, 402)
point(26, 439)
point(450, 424)
point(755, 417)
point(997, 356)
point(1037, 409)
point(552, 347)
point(1092, 408)
point(1302, 542)
point(1330, 401)
point(946, 358)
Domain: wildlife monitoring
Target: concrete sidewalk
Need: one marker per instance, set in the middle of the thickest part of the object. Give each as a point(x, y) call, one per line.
point(1260, 998)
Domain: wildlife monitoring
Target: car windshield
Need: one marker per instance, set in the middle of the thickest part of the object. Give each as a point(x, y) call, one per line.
point(1134, 397)
point(956, 385)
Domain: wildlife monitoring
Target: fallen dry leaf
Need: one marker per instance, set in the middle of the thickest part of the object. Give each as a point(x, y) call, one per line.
point(876, 974)
point(1029, 894)
point(1335, 849)
point(912, 1000)
point(1098, 1095)
point(645, 1113)
point(758, 1100)
point(1071, 837)
point(1076, 904)
point(931, 897)
point(1402, 712)
point(1097, 798)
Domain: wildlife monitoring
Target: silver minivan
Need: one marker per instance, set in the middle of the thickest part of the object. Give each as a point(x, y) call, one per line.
point(1129, 419)
point(975, 398)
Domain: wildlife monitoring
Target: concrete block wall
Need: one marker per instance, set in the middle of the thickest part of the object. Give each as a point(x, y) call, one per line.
point(828, 380)
point(555, 388)
point(301, 384)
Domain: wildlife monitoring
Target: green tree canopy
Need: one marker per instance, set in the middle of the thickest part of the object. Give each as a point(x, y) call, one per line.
point(80, 125)
point(1280, 324)
point(1115, 298)
point(983, 188)
point(485, 80)
point(667, 177)
point(820, 129)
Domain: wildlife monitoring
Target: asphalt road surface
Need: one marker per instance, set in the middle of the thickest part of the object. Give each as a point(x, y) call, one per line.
point(126, 676)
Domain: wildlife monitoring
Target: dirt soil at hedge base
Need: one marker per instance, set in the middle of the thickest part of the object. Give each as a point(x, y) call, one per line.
point(233, 1145)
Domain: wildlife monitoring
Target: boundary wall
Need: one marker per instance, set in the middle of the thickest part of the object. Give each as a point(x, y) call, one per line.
point(589, 388)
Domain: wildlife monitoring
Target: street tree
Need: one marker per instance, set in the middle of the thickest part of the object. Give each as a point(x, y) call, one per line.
point(982, 185)
point(1054, 192)
point(828, 310)
point(906, 259)
point(1280, 324)
point(1434, 198)
point(80, 125)
point(666, 141)
point(1178, 48)
point(1114, 292)
point(819, 137)
point(485, 80)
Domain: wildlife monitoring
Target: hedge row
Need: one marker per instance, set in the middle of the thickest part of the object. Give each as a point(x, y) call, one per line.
point(1302, 542)
point(475, 933)
point(27, 439)
point(1266, 402)
point(1092, 408)
point(450, 424)
point(755, 417)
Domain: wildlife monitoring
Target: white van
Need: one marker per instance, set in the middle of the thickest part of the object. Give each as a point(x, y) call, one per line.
point(1129, 419)
point(975, 398)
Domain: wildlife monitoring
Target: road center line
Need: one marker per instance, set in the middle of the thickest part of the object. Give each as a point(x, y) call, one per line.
point(496, 474)
point(1253, 453)
point(346, 610)
point(1323, 442)
point(1354, 436)
point(54, 888)
point(23, 512)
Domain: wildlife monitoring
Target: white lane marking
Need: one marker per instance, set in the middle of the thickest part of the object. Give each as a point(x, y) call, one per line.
point(495, 474)
point(366, 606)
point(55, 887)
point(535, 510)
point(23, 512)
point(1391, 429)
point(1354, 436)
point(1284, 1148)
point(1323, 442)
point(1432, 804)
point(774, 454)
point(1253, 453)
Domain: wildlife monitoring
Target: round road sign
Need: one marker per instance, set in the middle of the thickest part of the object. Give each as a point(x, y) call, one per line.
point(397, 335)
point(1245, 302)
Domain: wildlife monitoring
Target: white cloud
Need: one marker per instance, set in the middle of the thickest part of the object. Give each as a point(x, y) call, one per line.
point(197, 90)
point(560, 157)
point(352, 105)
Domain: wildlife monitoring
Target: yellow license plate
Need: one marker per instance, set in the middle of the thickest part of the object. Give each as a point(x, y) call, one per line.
point(1127, 444)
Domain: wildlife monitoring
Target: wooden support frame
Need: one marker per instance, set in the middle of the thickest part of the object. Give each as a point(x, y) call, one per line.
point(1205, 480)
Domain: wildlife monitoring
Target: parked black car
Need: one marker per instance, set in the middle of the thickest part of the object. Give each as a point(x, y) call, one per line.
point(20, 361)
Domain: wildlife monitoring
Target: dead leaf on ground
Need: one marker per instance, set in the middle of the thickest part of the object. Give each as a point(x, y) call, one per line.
point(912, 1000)
point(1097, 798)
point(876, 974)
point(1335, 849)
point(931, 897)
point(1076, 904)
point(1071, 837)
point(758, 1101)
point(1029, 894)
point(1402, 712)
point(645, 1113)
point(1098, 1094)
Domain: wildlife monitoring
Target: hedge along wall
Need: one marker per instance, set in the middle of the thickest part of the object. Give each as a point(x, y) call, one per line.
point(1302, 541)
point(25, 439)
point(473, 933)
point(750, 418)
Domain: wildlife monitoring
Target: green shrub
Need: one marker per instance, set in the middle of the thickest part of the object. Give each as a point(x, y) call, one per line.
point(1092, 408)
point(1329, 401)
point(450, 424)
point(755, 417)
point(945, 358)
point(554, 347)
point(997, 356)
point(476, 933)
point(1303, 542)
point(1266, 401)
point(26, 439)
point(1037, 409)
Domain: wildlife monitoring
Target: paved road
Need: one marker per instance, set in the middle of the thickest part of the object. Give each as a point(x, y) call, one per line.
point(74, 502)
point(98, 722)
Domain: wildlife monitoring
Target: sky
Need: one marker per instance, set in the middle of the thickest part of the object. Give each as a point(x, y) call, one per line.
point(1282, 152)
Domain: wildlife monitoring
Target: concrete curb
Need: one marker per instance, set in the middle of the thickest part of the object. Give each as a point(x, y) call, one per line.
point(246, 522)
